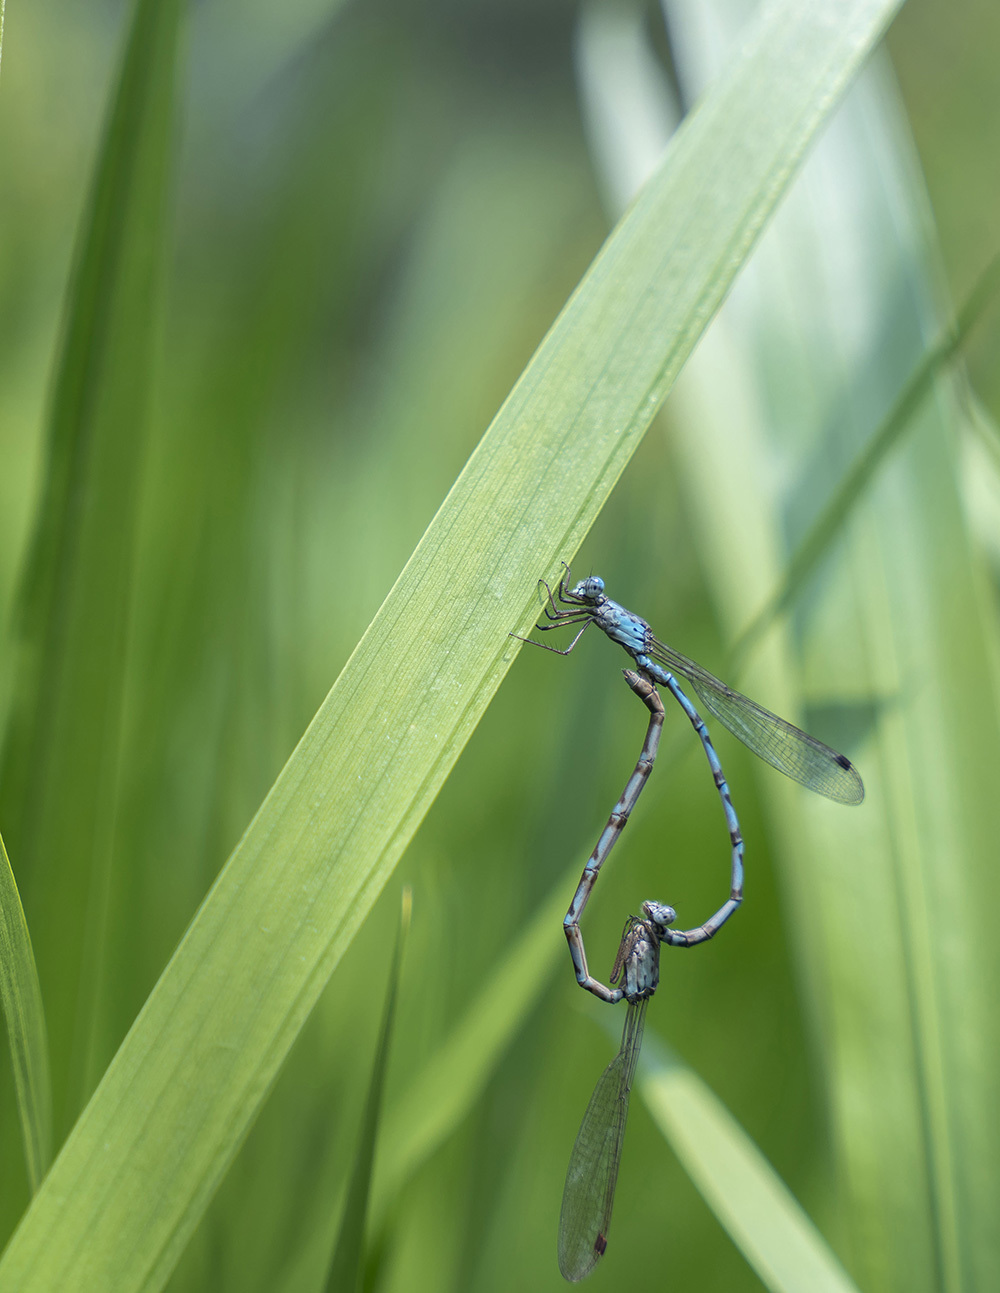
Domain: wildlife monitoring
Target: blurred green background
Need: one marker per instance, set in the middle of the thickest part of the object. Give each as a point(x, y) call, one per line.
point(378, 210)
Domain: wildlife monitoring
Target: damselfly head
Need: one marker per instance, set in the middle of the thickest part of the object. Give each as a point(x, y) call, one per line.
point(659, 914)
point(589, 590)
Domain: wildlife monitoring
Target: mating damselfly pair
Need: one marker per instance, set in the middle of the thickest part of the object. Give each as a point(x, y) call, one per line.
point(588, 1197)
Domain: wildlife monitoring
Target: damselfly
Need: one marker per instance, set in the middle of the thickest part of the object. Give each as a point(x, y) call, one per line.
point(589, 1193)
point(778, 742)
point(588, 1196)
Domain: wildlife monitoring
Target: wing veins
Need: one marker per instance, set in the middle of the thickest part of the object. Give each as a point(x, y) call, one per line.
point(772, 738)
point(592, 1175)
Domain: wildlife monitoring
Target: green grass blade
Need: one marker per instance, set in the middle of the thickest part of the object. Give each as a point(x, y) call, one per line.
point(25, 1018)
point(441, 1095)
point(897, 642)
point(446, 1089)
point(346, 1265)
point(176, 1103)
point(60, 769)
point(737, 1182)
point(830, 523)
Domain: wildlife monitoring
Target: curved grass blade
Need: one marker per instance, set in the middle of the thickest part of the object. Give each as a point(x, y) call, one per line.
point(25, 1019)
point(769, 1227)
point(145, 1157)
point(589, 1194)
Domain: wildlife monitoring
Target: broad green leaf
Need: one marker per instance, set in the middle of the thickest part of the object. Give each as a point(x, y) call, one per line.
point(174, 1106)
point(739, 1185)
point(25, 1019)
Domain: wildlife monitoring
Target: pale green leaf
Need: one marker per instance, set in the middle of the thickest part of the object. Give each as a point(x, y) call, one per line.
point(896, 644)
point(829, 525)
point(739, 1185)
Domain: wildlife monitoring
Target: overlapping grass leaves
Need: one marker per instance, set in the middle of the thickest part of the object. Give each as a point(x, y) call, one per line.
point(146, 1155)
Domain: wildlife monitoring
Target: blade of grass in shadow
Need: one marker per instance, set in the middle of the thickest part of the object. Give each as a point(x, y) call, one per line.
point(441, 1095)
point(25, 1018)
point(443, 1092)
point(176, 1103)
point(60, 772)
point(346, 1265)
point(767, 1224)
point(830, 522)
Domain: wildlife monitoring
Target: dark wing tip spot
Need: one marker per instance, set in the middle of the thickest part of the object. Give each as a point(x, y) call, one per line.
point(600, 1244)
point(856, 793)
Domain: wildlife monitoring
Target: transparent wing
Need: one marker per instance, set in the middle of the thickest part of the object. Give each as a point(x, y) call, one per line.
point(792, 751)
point(589, 1194)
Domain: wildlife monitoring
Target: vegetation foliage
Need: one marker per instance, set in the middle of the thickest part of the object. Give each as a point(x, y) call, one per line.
point(284, 409)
